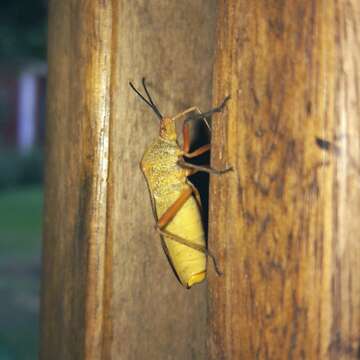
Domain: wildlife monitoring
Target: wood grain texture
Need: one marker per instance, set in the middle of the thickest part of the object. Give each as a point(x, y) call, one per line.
point(285, 224)
point(108, 291)
point(76, 179)
point(171, 43)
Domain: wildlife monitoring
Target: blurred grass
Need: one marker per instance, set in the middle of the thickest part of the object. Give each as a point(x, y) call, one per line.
point(20, 220)
point(20, 241)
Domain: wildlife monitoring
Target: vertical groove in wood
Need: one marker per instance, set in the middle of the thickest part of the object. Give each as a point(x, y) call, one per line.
point(284, 224)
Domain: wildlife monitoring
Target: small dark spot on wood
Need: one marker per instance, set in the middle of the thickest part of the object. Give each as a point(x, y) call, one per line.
point(314, 187)
point(277, 267)
point(269, 92)
point(309, 107)
point(323, 144)
point(255, 97)
point(280, 187)
point(249, 218)
point(270, 314)
point(274, 122)
point(264, 273)
point(259, 132)
point(273, 177)
point(264, 190)
point(327, 145)
point(242, 39)
point(276, 26)
point(250, 157)
point(289, 245)
point(263, 226)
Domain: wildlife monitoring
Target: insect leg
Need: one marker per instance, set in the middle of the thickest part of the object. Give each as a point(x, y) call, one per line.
point(188, 111)
point(185, 112)
point(205, 115)
point(196, 193)
point(200, 115)
point(185, 242)
point(186, 138)
point(186, 145)
point(169, 215)
point(197, 152)
point(207, 169)
point(174, 208)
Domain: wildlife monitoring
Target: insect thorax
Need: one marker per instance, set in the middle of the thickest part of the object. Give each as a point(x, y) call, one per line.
point(159, 165)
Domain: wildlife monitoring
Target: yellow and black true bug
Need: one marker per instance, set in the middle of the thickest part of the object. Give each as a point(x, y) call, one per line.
point(175, 201)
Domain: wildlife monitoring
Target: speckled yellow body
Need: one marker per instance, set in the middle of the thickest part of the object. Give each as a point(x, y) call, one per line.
point(166, 181)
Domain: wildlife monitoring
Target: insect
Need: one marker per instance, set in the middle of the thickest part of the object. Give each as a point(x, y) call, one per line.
point(175, 201)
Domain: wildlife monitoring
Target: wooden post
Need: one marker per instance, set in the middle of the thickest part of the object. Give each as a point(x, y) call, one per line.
point(285, 223)
point(108, 291)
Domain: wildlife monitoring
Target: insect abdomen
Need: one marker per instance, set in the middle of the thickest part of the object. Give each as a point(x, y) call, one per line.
point(189, 264)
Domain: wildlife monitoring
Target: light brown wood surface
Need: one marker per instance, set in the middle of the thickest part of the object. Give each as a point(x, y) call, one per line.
point(76, 180)
point(285, 224)
point(171, 43)
point(108, 291)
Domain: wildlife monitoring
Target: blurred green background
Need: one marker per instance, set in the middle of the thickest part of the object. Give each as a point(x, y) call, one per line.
point(22, 127)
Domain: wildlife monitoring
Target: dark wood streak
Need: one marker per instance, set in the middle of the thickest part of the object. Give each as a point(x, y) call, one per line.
point(322, 143)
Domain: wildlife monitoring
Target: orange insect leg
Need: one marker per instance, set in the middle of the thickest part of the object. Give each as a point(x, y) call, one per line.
point(174, 208)
point(197, 152)
point(186, 138)
point(169, 215)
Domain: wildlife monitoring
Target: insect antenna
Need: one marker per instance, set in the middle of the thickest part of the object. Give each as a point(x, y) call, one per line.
point(148, 101)
point(149, 97)
point(154, 107)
